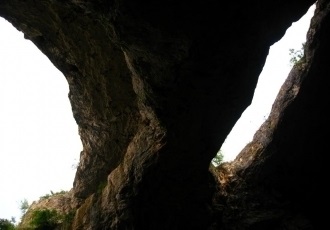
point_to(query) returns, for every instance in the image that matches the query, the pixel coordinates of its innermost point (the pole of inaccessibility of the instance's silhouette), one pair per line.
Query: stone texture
(61, 202)
(156, 87)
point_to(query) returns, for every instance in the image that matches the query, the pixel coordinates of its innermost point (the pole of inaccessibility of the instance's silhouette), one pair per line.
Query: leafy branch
(296, 55)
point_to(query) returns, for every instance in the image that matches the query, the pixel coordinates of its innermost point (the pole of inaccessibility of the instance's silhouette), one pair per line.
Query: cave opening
(39, 143)
(273, 75)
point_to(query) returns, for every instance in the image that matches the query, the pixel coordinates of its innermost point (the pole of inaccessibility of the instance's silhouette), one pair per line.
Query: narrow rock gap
(39, 141)
(273, 75)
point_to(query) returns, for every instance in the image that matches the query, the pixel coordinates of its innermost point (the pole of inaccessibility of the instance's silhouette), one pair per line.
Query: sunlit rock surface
(61, 204)
(156, 87)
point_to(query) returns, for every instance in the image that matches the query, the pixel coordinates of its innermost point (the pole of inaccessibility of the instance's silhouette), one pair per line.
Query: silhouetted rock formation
(155, 88)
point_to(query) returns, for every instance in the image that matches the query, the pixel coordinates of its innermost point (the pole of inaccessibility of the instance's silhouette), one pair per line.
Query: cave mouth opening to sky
(39, 140)
(273, 75)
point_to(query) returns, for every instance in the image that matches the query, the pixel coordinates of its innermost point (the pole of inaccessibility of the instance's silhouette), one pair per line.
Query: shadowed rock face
(155, 88)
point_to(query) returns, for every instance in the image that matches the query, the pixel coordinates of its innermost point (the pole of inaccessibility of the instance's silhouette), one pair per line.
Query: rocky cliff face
(60, 206)
(156, 86)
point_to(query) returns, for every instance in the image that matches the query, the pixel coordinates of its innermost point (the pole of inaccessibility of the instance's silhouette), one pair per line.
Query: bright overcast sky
(39, 139)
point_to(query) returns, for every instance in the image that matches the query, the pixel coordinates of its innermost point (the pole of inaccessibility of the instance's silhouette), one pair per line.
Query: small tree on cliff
(297, 55)
(218, 158)
(24, 206)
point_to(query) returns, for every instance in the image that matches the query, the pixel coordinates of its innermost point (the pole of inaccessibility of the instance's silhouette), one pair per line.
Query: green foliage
(6, 224)
(45, 219)
(217, 160)
(296, 55)
(52, 194)
(46, 196)
(49, 219)
(24, 206)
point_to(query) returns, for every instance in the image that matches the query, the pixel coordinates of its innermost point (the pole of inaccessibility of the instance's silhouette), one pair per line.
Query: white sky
(39, 139)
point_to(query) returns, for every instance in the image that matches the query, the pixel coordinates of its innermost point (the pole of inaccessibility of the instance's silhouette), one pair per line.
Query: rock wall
(278, 179)
(156, 87)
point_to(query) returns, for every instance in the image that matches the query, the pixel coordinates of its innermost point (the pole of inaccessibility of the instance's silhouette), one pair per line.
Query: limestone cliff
(155, 88)
(60, 209)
